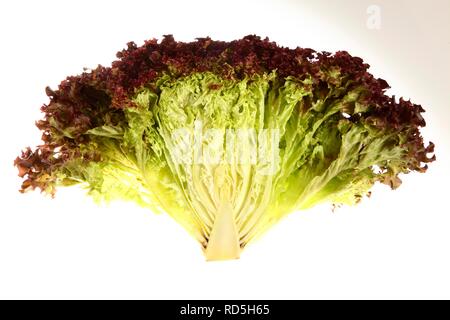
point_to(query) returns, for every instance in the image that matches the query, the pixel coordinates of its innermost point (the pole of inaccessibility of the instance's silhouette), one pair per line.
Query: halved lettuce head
(226, 138)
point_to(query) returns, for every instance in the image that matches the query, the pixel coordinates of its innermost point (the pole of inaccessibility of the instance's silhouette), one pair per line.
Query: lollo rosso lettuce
(225, 137)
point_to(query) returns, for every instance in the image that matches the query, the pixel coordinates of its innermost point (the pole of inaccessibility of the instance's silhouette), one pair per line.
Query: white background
(395, 245)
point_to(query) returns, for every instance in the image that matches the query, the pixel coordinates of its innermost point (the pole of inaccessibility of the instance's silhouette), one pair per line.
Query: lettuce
(226, 138)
